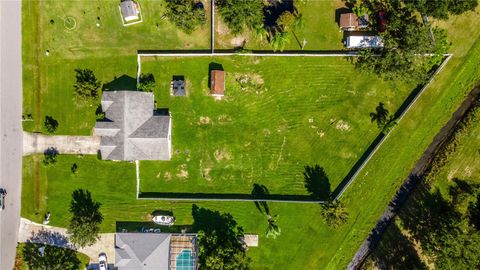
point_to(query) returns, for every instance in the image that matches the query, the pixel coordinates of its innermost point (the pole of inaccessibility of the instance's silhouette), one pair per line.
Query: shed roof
(350, 21)
(129, 9)
(217, 83)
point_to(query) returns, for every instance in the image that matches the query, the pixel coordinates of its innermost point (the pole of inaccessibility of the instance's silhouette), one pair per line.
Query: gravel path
(35, 143)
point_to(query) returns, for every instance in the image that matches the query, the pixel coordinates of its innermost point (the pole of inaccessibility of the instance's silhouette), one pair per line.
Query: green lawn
(321, 31)
(267, 130)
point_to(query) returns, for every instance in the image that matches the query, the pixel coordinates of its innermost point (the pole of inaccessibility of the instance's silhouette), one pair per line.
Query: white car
(102, 261)
(3, 193)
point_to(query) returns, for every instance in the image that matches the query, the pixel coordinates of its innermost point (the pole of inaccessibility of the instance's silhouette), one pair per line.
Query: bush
(50, 157)
(86, 86)
(241, 14)
(50, 124)
(186, 14)
(146, 82)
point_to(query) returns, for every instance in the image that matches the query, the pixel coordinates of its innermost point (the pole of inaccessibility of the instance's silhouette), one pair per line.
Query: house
(363, 41)
(131, 130)
(217, 83)
(129, 10)
(155, 251)
(351, 22)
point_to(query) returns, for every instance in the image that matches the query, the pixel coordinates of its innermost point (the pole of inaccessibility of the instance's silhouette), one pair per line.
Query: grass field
(321, 31)
(265, 130)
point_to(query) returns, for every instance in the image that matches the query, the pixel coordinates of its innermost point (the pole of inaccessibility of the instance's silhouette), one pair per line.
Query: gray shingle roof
(128, 9)
(143, 251)
(131, 131)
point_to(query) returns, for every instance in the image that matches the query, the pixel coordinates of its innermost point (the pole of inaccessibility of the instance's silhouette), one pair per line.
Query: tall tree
(86, 218)
(86, 86)
(41, 257)
(187, 15)
(241, 14)
(218, 240)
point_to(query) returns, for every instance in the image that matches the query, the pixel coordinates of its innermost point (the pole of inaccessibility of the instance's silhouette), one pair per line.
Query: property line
(354, 175)
(375, 149)
(137, 174)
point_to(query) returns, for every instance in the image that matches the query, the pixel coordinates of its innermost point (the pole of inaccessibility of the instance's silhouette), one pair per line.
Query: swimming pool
(185, 260)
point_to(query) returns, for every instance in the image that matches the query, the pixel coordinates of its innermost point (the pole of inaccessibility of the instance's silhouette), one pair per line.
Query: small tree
(279, 41)
(273, 230)
(50, 124)
(74, 168)
(86, 86)
(146, 82)
(50, 157)
(86, 218)
(239, 15)
(334, 213)
(186, 14)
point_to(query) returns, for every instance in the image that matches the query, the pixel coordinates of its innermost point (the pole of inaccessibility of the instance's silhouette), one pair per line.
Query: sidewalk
(56, 236)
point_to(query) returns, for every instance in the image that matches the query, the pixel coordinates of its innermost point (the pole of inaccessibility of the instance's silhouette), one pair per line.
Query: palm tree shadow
(317, 182)
(258, 192)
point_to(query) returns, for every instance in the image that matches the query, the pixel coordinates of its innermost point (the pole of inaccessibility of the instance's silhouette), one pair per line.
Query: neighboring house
(351, 22)
(130, 12)
(217, 83)
(155, 251)
(131, 130)
(363, 41)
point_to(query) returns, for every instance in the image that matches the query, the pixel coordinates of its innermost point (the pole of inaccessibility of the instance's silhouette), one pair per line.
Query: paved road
(10, 127)
(39, 143)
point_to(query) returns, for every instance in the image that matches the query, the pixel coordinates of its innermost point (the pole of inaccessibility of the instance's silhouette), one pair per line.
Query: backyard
(291, 113)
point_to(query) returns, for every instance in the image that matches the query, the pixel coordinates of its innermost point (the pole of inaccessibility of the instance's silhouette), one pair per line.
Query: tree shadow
(317, 182)
(210, 221)
(51, 151)
(123, 82)
(82, 205)
(50, 124)
(274, 10)
(51, 238)
(396, 251)
(259, 192)
(380, 115)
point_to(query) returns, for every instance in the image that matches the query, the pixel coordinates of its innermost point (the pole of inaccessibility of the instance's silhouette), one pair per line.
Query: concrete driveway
(10, 126)
(38, 233)
(36, 143)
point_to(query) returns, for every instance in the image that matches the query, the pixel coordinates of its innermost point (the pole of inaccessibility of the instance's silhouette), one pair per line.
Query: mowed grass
(321, 31)
(292, 113)
(109, 50)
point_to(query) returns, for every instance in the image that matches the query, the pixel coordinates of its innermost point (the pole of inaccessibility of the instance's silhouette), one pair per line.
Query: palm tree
(260, 32)
(273, 230)
(279, 41)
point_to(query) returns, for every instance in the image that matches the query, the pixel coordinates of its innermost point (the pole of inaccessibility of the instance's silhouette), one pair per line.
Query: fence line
(357, 171)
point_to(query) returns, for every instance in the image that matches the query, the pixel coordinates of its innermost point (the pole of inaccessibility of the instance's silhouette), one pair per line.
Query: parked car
(102, 261)
(3, 194)
(382, 21)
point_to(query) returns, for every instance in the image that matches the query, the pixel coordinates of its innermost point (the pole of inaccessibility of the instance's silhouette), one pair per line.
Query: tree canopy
(86, 86)
(441, 9)
(41, 257)
(406, 43)
(218, 239)
(241, 14)
(86, 218)
(186, 14)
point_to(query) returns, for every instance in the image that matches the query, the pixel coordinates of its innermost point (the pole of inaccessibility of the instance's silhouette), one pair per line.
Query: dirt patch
(204, 120)
(320, 133)
(222, 119)
(222, 154)
(250, 82)
(342, 125)
(182, 172)
(167, 176)
(206, 174)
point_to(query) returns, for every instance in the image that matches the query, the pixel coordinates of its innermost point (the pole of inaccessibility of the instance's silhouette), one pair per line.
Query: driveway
(35, 143)
(37, 233)
(10, 126)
